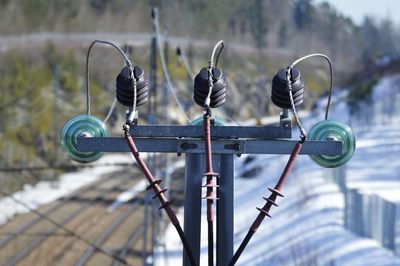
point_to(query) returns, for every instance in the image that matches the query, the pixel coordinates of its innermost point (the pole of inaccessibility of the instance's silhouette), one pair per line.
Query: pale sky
(357, 9)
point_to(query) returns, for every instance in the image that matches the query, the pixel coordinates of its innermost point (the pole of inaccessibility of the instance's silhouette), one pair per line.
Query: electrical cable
(60, 226)
(110, 111)
(127, 62)
(219, 44)
(330, 71)
(159, 193)
(209, 174)
(164, 65)
(182, 56)
(60, 167)
(276, 191)
(264, 211)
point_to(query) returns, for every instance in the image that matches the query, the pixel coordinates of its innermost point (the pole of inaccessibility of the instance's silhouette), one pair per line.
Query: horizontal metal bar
(282, 130)
(241, 146)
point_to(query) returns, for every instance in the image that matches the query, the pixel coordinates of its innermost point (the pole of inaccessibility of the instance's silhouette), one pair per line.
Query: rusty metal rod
(264, 211)
(154, 184)
(209, 185)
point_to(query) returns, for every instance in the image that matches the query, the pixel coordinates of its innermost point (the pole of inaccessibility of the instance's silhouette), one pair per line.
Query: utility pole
(151, 119)
(56, 144)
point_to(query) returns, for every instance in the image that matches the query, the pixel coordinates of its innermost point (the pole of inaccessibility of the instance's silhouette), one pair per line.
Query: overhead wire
(60, 167)
(62, 227)
(182, 56)
(110, 111)
(328, 60)
(164, 65)
(127, 62)
(154, 184)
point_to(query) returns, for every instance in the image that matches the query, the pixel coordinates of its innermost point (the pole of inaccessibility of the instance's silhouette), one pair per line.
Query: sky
(357, 9)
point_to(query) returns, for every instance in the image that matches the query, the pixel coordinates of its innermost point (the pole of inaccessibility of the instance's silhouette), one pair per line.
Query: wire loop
(331, 74)
(127, 62)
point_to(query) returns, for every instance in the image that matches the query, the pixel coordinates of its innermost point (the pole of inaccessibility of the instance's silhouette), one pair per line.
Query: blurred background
(344, 216)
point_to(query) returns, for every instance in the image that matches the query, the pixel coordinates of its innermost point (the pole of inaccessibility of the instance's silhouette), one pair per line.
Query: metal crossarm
(192, 145)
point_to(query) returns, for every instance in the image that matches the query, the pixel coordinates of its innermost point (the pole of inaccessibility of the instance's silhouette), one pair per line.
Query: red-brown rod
(209, 184)
(264, 211)
(154, 184)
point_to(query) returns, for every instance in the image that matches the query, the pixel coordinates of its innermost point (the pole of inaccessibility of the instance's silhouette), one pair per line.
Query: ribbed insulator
(280, 92)
(201, 87)
(125, 88)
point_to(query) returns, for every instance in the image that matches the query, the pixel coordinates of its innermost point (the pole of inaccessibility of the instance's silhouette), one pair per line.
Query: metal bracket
(192, 145)
(282, 130)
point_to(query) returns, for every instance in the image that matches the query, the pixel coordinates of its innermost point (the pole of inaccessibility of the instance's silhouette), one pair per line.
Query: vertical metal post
(152, 107)
(225, 210)
(192, 215)
(147, 202)
(56, 88)
(152, 119)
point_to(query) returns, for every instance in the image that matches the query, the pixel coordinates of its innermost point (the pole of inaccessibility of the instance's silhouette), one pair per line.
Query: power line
(60, 226)
(164, 65)
(60, 167)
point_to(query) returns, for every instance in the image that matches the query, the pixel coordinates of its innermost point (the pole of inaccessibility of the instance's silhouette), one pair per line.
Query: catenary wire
(164, 66)
(60, 226)
(127, 61)
(183, 58)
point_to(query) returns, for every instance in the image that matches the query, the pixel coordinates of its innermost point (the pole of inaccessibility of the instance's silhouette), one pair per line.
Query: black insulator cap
(280, 91)
(201, 87)
(125, 88)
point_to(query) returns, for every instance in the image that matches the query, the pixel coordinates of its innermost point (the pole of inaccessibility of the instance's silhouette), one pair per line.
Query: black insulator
(201, 87)
(125, 87)
(280, 91)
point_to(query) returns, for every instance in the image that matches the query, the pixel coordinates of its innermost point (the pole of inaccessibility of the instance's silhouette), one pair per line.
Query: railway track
(84, 212)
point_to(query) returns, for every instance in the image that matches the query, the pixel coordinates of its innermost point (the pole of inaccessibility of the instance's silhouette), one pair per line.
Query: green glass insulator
(333, 130)
(199, 121)
(82, 126)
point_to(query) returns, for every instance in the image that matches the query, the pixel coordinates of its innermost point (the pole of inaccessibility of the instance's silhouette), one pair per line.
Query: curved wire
(218, 44)
(164, 65)
(110, 110)
(331, 73)
(182, 56)
(127, 62)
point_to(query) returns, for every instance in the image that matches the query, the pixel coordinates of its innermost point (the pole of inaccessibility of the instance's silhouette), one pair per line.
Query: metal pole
(225, 210)
(151, 119)
(192, 215)
(146, 222)
(152, 107)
